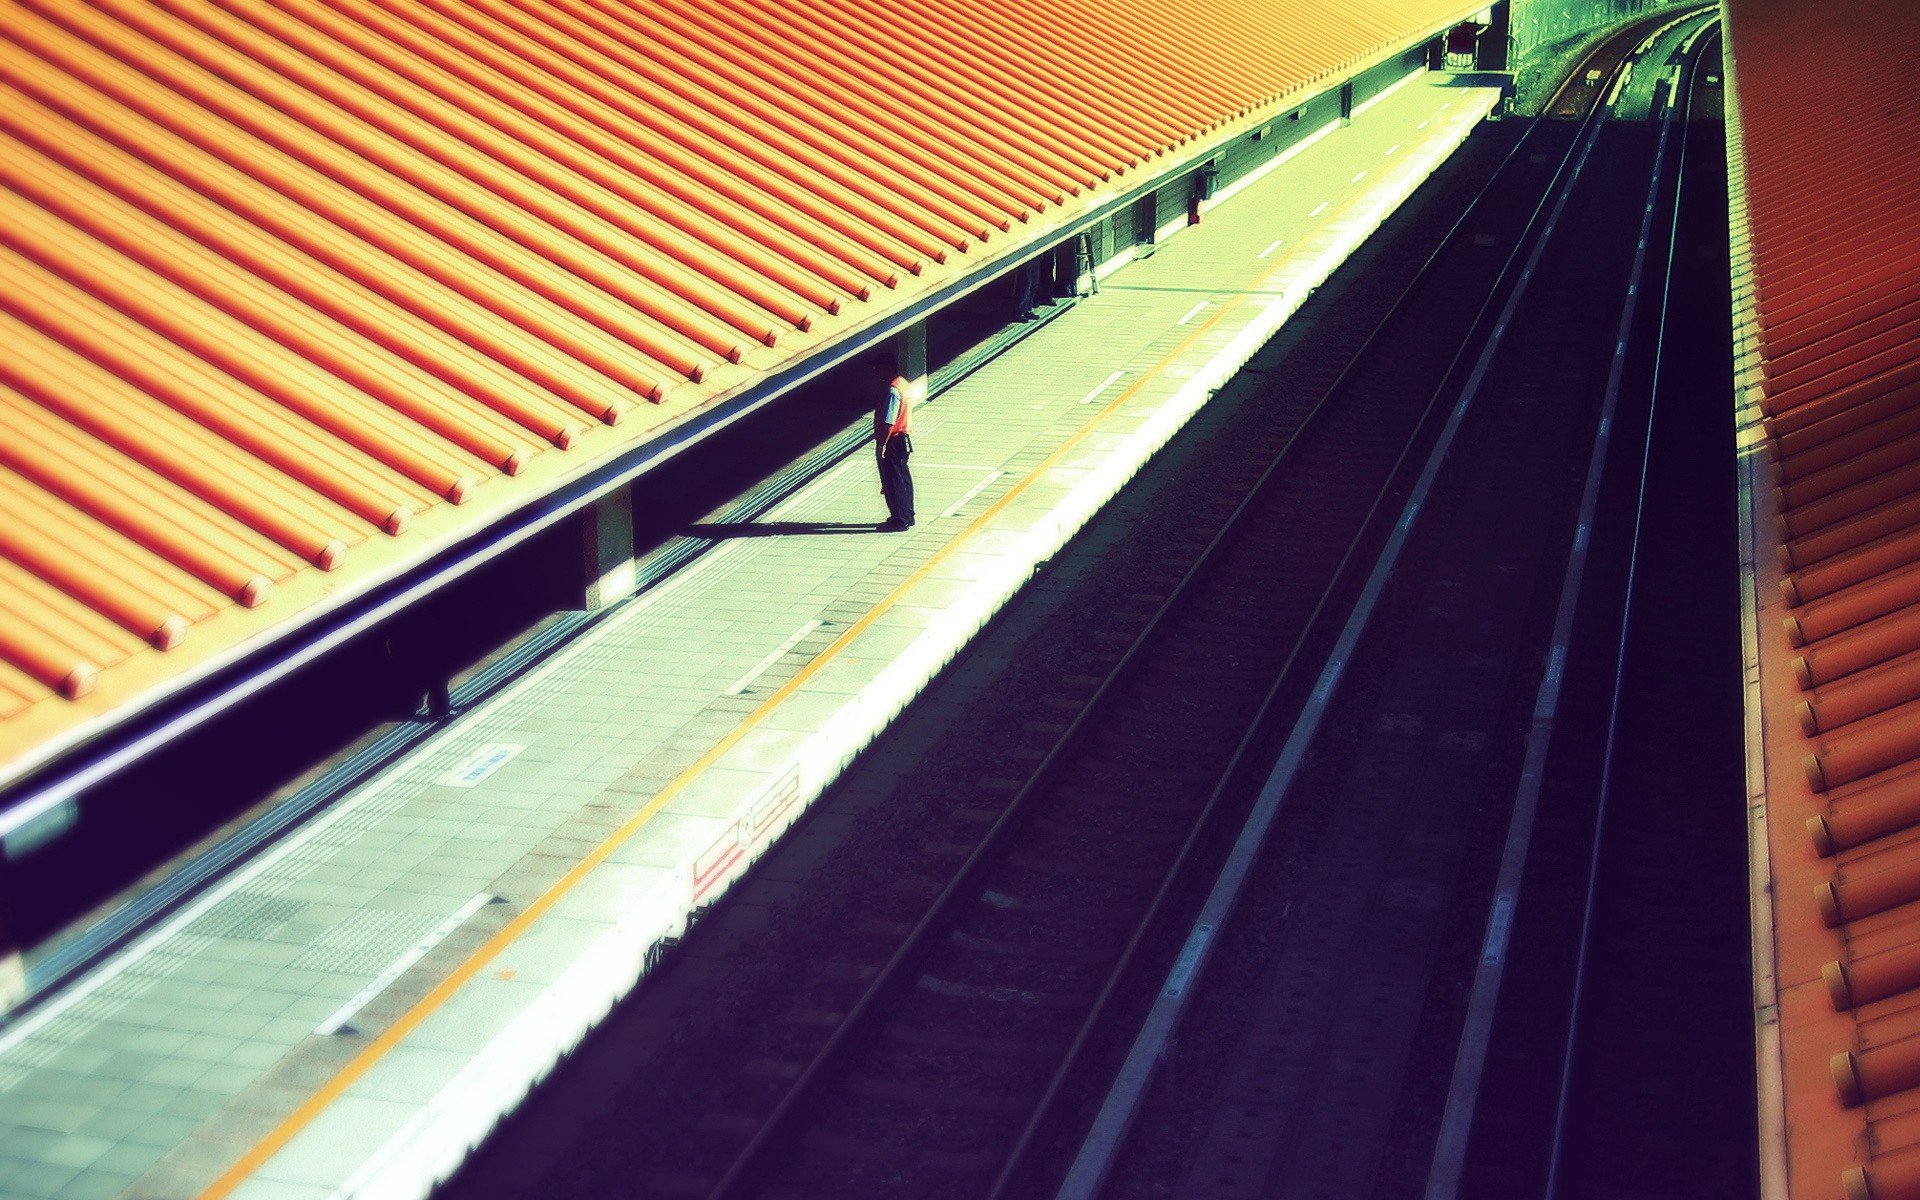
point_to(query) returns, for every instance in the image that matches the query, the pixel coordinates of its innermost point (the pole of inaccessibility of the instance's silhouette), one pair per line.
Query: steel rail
(910, 946)
(1456, 1126)
(1570, 1051)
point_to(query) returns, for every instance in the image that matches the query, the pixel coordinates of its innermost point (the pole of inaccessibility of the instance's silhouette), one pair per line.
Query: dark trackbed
(1658, 1083)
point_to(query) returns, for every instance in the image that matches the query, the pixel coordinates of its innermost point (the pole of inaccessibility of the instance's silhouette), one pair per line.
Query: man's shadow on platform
(746, 529)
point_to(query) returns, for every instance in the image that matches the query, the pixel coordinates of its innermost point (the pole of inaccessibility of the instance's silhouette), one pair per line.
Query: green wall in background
(1538, 23)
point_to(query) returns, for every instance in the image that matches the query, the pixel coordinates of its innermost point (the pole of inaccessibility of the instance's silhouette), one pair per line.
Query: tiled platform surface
(349, 1013)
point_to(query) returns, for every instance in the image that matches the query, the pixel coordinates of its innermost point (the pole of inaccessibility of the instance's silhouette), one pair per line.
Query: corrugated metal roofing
(1830, 163)
(294, 290)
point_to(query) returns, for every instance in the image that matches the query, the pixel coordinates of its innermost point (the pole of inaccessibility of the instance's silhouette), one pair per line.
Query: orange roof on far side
(1827, 228)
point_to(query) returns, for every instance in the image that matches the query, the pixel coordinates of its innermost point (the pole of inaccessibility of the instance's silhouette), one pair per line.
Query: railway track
(928, 1041)
(1644, 1008)
(1328, 1061)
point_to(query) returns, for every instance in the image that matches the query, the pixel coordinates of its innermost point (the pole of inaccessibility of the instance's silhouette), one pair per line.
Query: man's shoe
(892, 525)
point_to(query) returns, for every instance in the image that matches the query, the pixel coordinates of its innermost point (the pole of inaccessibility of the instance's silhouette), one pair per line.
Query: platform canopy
(1826, 236)
(297, 294)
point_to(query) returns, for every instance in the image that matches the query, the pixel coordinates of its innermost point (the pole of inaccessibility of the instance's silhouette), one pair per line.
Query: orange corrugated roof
(1827, 113)
(294, 291)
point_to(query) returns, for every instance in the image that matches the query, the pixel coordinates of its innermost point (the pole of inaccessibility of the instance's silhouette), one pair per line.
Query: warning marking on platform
(485, 761)
(715, 864)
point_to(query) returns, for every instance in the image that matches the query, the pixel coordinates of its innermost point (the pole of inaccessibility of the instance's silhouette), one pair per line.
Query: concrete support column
(606, 549)
(1066, 269)
(910, 358)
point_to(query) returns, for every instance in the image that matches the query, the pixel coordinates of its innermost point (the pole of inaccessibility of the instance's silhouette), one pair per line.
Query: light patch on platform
(341, 1020)
(1106, 383)
(953, 510)
(485, 761)
(746, 681)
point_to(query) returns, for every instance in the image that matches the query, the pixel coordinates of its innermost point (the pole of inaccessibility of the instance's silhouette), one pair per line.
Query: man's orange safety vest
(895, 416)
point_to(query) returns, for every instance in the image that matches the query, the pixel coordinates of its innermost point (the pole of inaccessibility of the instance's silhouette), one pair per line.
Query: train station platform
(348, 1013)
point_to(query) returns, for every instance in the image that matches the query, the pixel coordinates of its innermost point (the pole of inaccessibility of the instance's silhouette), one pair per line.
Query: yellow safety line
(327, 1093)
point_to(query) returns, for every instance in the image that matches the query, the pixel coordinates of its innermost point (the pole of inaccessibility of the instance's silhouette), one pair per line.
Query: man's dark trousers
(896, 481)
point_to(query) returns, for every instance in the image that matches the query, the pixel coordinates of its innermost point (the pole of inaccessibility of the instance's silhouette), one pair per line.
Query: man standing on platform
(893, 446)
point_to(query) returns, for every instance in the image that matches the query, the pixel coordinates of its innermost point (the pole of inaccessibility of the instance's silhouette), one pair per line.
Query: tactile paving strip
(249, 916)
(365, 942)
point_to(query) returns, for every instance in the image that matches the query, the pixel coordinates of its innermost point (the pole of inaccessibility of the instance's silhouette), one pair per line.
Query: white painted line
(1271, 247)
(1422, 125)
(975, 490)
(746, 681)
(1106, 383)
(485, 761)
(1317, 211)
(338, 1022)
(1358, 178)
(1392, 150)
(1620, 84)
(1199, 308)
